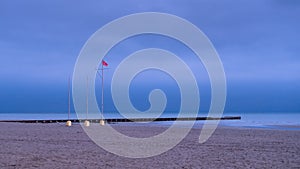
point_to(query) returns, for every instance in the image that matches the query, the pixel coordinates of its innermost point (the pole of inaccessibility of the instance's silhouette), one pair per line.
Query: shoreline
(227, 121)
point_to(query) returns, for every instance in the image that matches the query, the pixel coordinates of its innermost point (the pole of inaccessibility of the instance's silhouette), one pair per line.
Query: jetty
(120, 120)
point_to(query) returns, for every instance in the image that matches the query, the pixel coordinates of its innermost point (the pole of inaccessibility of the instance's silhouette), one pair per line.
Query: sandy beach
(57, 146)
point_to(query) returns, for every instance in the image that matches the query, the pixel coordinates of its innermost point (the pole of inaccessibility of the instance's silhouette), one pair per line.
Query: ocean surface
(276, 120)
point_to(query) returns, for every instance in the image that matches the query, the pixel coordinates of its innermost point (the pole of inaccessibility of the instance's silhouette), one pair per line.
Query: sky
(257, 42)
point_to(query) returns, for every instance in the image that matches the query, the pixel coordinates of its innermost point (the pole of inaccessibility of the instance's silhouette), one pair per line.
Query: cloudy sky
(257, 41)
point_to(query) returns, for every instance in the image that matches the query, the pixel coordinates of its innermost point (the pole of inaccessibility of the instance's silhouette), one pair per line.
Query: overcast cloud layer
(257, 41)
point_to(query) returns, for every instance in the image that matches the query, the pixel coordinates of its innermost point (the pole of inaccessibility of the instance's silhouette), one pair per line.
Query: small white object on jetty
(69, 123)
(87, 123)
(102, 122)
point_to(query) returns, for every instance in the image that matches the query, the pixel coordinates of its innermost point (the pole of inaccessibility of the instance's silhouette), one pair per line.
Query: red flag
(104, 63)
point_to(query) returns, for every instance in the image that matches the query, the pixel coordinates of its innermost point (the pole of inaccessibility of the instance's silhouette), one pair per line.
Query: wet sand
(57, 146)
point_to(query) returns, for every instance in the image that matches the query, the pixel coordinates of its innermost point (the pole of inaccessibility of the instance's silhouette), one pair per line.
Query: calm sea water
(276, 120)
(281, 120)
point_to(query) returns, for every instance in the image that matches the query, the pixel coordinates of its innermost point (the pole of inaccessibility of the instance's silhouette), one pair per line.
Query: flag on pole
(104, 63)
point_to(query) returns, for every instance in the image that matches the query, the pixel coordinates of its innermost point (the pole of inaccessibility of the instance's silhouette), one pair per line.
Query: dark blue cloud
(256, 40)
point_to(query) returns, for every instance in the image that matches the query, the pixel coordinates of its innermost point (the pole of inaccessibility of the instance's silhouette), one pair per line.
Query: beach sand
(57, 146)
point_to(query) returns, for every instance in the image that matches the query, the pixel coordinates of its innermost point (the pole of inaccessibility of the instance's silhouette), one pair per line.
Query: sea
(267, 120)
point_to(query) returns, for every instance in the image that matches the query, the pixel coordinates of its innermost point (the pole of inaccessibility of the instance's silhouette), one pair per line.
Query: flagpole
(86, 122)
(103, 63)
(69, 123)
(69, 104)
(102, 93)
(87, 97)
